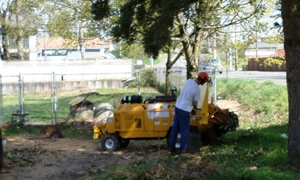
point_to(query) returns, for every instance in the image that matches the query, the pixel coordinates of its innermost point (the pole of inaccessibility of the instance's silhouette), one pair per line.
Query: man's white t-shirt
(189, 94)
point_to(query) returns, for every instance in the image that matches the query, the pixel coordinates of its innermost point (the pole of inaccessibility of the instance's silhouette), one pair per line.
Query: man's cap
(203, 75)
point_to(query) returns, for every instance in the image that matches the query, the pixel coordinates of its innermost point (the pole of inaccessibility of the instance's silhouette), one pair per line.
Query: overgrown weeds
(266, 101)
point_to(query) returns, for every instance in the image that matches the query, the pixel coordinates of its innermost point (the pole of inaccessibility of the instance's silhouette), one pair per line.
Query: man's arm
(195, 104)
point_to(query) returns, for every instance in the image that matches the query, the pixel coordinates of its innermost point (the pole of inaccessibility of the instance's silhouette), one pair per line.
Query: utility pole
(236, 50)
(215, 47)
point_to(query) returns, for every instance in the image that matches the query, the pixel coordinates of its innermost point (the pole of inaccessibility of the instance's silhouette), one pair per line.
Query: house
(263, 50)
(258, 55)
(57, 48)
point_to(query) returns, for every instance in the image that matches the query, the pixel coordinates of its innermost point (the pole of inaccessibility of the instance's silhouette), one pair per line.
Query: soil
(29, 157)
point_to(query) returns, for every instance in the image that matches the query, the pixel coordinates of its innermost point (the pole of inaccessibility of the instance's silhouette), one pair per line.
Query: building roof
(264, 50)
(59, 42)
(261, 45)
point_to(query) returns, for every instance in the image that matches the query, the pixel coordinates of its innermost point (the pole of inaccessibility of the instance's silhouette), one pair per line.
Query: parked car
(211, 65)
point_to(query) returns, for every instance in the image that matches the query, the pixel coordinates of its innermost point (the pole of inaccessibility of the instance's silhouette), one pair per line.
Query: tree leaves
(100, 9)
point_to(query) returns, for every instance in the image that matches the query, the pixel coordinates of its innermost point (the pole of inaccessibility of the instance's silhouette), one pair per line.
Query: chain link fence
(50, 102)
(179, 76)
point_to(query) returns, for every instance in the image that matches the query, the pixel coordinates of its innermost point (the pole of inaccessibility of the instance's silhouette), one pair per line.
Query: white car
(211, 65)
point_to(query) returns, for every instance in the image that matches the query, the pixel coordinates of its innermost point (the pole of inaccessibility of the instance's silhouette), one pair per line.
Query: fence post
(54, 100)
(138, 81)
(132, 67)
(97, 64)
(215, 85)
(21, 97)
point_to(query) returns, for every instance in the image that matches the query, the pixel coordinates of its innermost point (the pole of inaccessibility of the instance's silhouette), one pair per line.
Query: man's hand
(193, 112)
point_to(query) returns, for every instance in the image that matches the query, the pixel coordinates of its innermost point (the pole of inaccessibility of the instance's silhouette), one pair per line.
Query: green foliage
(70, 130)
(140, 18)
(143, 78)
(274, 39)
(256, 153)
(205, 50)
(20, 128)
(100, 9)
(71, 20)
(133, 51)
(267, 100)
(256, 92)
(271, 61)
(161, 88)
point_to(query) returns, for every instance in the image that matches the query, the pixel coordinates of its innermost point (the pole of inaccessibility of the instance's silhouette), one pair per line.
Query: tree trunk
(188, 48)
(19, 33)
(5, 46)
(5, 53)
(168, 71)
(169, 66)
(291, 24)
(20, 48)
(236, 59)
(192, 66)
(80, 40)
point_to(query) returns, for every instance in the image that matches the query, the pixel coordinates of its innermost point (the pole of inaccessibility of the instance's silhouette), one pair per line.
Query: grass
(267, 101)
(19, 128)
(256, 150)
(40, 104)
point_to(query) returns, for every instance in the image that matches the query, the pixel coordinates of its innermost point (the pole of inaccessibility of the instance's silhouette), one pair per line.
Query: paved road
(260, 76)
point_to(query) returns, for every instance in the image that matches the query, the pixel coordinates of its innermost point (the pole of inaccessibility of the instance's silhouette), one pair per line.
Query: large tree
(291, 25)
(18, 22)
(4, 19)
(164, 24)
(72, 20)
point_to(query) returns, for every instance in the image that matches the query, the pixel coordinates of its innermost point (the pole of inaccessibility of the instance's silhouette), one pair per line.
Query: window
(55, 52)
(92, 50)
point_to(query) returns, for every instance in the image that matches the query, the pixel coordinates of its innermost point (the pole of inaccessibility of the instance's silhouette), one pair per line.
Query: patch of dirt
(29, 157)
(232, 105)
(236, 107)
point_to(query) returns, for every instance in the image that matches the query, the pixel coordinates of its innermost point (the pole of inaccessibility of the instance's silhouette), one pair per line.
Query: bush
(143, 78)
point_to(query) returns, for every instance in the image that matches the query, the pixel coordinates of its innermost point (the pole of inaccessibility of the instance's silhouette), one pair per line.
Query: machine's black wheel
(110, 142)
(194, 139)
(209, 136)
(235, 121)
(168, 137)
(218, 130)
(231, 125)
(124, 143)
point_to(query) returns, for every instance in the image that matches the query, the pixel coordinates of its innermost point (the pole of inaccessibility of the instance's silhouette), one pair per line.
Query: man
(188, 99)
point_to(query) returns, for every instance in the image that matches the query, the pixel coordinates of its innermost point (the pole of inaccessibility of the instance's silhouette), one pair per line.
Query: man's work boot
(172, 150)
